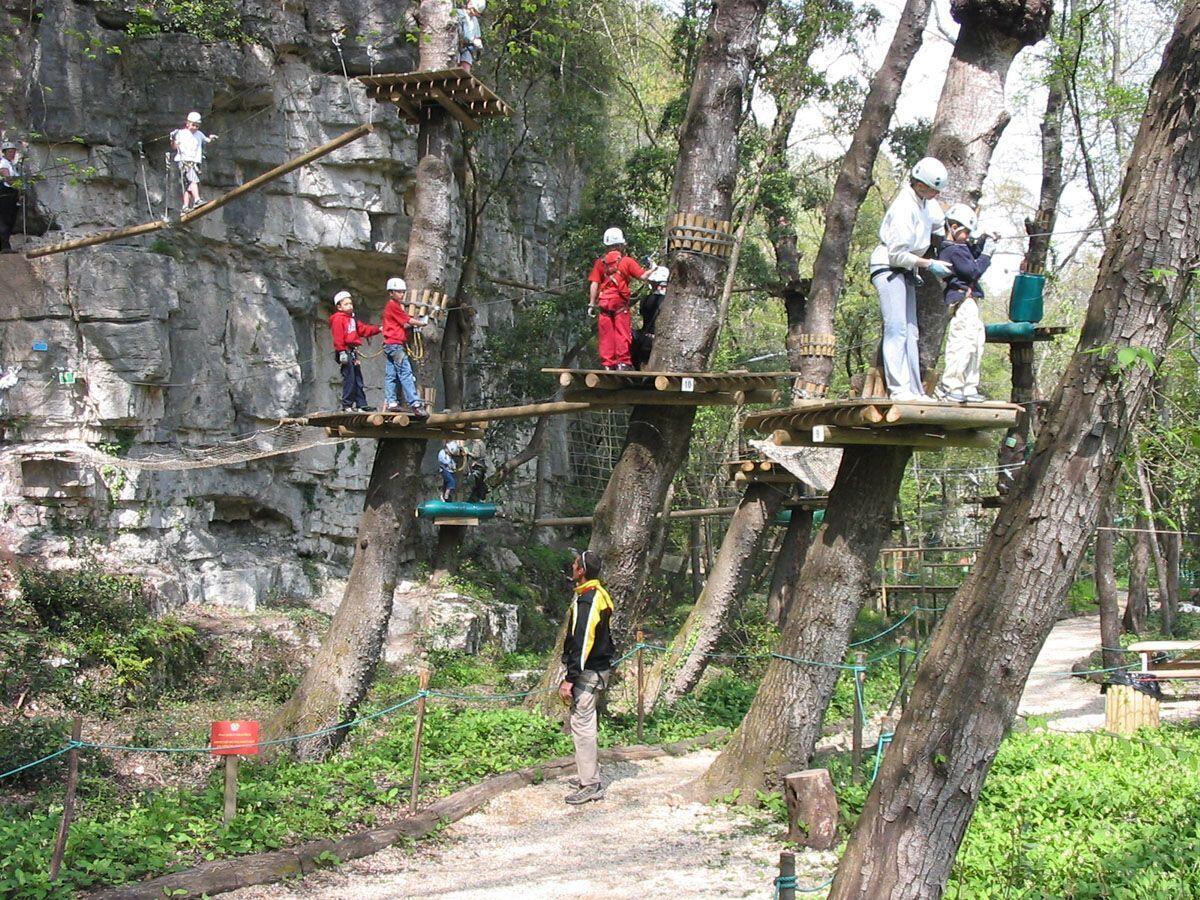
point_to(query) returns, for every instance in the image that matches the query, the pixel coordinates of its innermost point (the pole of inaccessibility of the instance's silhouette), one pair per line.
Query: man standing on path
(188, 143)
(588, 658)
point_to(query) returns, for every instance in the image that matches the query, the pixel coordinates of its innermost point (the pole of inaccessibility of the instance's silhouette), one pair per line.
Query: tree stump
(812, 809)
(1126, 710)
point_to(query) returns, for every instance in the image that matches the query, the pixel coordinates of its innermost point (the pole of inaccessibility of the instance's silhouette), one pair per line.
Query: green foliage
(1081, 596)
(209, 20)
(24, 742)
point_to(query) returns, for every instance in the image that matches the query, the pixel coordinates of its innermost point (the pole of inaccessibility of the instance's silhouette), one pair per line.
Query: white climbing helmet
(477, 6)
(930, 171)
(8, 145)
(340, 296)
(963, 215)
(659, 275)
(396, 284)
(453, 447)
(614, 236)
(194, 117)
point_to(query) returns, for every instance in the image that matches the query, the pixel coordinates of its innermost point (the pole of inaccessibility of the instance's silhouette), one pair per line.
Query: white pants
(964, 350)
(901, 354)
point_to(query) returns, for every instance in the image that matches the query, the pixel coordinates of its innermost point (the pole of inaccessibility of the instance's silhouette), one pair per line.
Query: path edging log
(223, 875)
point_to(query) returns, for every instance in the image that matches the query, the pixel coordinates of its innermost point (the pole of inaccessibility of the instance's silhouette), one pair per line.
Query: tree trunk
(1106, 588)
(342, 670)
(970, 682)
(1171, 552)
(853, 181)
(1156, 555)
(675, 673)
(835, 581)
(788, 563)
(694, 560)
(1137, 602)
(657, 438)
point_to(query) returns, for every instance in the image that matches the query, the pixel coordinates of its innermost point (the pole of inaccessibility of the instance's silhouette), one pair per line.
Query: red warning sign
(234, 738)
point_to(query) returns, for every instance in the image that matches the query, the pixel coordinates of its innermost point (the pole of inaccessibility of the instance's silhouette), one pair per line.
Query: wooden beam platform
(417, 94)
(672, 388)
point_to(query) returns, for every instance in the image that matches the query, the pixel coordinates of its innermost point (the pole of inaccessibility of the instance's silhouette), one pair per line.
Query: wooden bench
(1183, 664)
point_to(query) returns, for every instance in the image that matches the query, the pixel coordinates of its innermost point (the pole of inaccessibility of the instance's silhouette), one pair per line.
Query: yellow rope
(416, 348)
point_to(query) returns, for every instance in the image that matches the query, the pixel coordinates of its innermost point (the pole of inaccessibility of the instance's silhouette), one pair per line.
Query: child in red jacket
(348, 335)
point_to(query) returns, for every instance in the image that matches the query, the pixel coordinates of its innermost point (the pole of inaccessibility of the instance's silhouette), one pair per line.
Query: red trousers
(615, 331)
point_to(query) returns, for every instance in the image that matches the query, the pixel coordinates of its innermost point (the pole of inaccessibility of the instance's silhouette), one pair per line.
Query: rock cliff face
(212, 331)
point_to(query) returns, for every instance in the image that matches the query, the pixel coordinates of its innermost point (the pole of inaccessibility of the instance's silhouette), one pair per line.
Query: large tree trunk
(657, 438)
(676, 672)
(788, 563)
(1106, 588)
(835, 581)
(1137, 601)
(970, 682)
(342, 670)
(1166, 613)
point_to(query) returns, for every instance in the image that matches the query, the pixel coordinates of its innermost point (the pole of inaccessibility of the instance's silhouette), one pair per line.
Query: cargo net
(269, 442)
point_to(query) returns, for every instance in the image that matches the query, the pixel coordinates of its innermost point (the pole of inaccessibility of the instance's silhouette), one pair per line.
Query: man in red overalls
(608, 295)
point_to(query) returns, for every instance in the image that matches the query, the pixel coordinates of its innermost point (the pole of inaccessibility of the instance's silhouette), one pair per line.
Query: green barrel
(432, 509)
(1009, 332)
(1025, 304)
(784, 517)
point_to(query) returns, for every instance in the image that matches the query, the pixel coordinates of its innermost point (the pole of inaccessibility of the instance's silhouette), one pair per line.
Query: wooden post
(857, 734)
(231, 786)
(64, 825)
(902, 659)
(641, 697)
(787, 876)
(417, 736)
(1127, 709)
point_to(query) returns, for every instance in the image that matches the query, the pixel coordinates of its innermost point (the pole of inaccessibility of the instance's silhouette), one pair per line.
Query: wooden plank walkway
(735, 388)
(417, 94)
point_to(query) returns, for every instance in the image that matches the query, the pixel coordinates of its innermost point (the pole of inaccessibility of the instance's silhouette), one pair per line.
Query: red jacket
(395, 323)
(348, 332)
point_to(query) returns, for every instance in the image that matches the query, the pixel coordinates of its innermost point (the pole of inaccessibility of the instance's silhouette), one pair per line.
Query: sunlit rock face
(197, 335)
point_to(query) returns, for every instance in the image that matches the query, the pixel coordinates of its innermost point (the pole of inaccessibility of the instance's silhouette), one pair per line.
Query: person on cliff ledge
(10, 194)
(470, 35)
(348, 335)
(398, 370)
(588, 658)
(608, 301)
(188, 143)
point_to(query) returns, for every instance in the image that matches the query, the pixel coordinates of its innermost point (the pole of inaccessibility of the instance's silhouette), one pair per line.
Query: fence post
(857, 733)
(231, 786)
(641, 698)
(64, 825)
(785, 885)
(417, 736)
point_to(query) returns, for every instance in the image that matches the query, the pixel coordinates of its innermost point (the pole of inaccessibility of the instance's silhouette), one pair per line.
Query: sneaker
(198, 203)
(586, 795)
(366, 409)
(573, 782)
(975, 397)
(393, 407)
(624, 367)
(953, 397)
(419, 411)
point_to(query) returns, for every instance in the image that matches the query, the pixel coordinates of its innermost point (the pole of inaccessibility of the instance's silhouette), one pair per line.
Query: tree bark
(1137, 602)
(1106, 588)
(788, 563)
(783, 724)
(675, 673)
(343, 668)
(1156, 554)
(1040, 227)
(970, 682)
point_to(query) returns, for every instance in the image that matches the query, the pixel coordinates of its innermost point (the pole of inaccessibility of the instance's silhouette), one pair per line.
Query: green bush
(24, 741)
(71, 600)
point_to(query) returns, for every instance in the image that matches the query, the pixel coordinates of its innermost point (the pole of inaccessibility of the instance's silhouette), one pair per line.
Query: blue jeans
(353, 391)
(398, 370)
(449, 482)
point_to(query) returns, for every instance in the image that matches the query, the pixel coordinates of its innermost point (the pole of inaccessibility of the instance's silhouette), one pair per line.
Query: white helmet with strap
(659, 275)
(613, 237)
(931, 172)
(963, 215)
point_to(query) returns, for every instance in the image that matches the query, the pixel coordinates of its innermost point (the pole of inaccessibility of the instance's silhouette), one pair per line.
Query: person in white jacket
(904, 237)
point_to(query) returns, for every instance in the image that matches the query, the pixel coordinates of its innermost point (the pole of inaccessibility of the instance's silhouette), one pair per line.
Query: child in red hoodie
(348, 335)
(398, 371)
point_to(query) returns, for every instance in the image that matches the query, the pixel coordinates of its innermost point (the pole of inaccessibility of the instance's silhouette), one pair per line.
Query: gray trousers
(901, 354)
(583, 724)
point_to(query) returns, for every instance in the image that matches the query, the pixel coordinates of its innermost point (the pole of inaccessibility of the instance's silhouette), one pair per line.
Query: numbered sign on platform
(238, 738)
(818, 434)
(687, 385)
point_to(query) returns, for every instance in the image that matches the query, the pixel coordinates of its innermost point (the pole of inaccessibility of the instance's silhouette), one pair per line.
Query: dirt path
(642, 841)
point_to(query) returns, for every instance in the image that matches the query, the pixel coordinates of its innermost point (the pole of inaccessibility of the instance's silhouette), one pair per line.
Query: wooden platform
(925, 426)
(635, 388)
(417, 94)
(758, 471)
(383, 425)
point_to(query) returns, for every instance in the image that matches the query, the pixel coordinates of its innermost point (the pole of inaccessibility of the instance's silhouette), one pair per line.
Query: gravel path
(642, 841)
